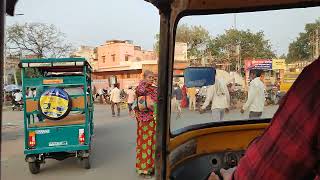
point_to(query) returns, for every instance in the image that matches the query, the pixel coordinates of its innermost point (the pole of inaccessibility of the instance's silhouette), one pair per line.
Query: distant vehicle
(287, 81)
(58, 121)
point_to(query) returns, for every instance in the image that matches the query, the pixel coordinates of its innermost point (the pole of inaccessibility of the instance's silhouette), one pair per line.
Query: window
(113, 57)
(244, 54)
(103, 59)
(126, 58)
(128, 75)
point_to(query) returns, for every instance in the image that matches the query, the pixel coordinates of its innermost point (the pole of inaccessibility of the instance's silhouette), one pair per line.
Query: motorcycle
(17, 105)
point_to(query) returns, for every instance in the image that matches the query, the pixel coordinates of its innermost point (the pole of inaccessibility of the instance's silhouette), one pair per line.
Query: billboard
(263, 64)
(278, 64)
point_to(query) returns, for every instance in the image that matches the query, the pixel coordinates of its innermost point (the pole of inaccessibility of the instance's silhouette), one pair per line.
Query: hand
(227, 174)
(242, 111)
(201, 111)
(213, 176)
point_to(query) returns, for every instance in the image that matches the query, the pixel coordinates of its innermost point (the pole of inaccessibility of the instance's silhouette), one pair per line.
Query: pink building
(121, 62)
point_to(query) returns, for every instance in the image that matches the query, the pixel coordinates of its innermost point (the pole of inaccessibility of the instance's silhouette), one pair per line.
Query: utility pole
(235, 21)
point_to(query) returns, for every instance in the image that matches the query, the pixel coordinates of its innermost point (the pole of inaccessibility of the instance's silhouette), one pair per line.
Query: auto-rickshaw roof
(223, 6)
(56, 64)
(50, 60)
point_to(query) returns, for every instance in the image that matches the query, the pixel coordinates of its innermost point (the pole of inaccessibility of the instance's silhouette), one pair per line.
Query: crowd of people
(217, 98)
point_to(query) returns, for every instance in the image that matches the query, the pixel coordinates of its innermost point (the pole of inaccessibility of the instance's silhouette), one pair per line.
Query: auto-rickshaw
(194, 151)
(58, 117)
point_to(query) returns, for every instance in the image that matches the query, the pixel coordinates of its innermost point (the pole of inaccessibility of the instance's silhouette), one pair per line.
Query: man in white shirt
(219, 95)
(130, 100)
(17, 96)
(256, 97)
(115, 99)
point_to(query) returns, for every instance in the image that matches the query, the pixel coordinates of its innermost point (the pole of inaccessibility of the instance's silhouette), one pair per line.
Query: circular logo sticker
(55, 103)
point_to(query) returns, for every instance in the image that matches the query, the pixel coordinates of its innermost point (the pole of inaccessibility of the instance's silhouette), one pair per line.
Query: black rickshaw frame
(169, 18)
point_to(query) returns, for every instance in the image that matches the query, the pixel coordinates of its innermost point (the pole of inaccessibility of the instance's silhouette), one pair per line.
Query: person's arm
(289, 148)
(227, 95)
(111, 95)
(251, 95)
(209, 96)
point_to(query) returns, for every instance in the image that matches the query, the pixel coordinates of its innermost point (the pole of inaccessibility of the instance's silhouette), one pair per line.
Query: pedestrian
(115, 99)
(177, 97)
(17, 96)
(218, 94)
(29, 93)
(145, 111)
(100, 94)
(130, 99)
(191, 92)
(184, 101)
(256, 96)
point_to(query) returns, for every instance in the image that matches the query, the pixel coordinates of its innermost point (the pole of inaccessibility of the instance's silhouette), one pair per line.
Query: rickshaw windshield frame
(175, 18)
(170, 14)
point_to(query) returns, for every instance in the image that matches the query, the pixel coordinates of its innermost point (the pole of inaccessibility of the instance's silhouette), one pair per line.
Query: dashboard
(200, 167)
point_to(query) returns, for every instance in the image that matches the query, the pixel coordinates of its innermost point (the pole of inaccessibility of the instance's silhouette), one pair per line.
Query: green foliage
(251, 45)
(196, 37)
(38, 39)
(301, 48)
(226, 47)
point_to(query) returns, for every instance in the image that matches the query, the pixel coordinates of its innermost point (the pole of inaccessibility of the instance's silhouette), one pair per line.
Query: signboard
(199, 76)
(263, 64)
(52, 81)
(100, 81)
(278, 64)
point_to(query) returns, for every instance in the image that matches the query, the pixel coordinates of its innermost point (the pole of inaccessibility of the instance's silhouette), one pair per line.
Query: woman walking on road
(145, 110)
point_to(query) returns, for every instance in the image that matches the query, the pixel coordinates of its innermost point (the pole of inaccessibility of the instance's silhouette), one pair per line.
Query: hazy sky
(93, 22)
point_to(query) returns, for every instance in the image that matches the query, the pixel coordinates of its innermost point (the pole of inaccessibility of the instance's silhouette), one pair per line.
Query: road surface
(113, 156)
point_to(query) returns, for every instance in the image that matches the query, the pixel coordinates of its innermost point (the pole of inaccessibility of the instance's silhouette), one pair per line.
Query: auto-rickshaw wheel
(34, 167)
(86, 163)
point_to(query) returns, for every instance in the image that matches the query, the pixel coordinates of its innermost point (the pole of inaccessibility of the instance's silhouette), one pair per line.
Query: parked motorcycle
(17, 105)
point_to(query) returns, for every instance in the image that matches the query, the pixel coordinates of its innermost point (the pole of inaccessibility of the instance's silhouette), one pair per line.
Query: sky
(93, 22)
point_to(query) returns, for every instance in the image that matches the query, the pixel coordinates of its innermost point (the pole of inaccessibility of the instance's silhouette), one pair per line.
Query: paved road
(188, 118)
(113, 156)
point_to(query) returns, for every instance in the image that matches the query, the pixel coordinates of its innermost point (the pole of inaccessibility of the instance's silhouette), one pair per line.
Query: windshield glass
(251, 53)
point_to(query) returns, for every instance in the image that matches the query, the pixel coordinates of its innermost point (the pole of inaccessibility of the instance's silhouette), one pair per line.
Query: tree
(196, 37)
(301, 48)
(37, 39)
(239, 43)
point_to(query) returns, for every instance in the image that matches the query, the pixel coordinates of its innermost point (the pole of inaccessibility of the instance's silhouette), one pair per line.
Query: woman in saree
(145, 112)
(184, 102)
